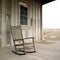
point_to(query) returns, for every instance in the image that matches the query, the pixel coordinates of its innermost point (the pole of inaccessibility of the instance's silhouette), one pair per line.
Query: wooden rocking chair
(19, 41)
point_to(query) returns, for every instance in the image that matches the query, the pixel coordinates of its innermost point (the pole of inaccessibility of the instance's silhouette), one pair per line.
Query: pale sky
(51, 15)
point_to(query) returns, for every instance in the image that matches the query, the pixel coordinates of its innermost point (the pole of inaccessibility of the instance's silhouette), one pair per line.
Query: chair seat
(22, 44)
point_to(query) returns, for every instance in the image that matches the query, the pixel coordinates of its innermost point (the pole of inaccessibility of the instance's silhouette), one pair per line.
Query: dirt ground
(51, 34)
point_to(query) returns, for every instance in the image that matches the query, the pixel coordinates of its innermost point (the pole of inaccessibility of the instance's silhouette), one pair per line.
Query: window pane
(23, 12)
(23, 8)
(23, 22)
(23, 18)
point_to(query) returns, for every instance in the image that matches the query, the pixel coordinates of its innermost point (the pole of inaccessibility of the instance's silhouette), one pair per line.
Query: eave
(46, 1)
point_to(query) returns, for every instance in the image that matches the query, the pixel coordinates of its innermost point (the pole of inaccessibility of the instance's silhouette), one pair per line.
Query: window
(23, 15)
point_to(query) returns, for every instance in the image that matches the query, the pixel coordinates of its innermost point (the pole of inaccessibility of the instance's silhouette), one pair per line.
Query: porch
(44, 52)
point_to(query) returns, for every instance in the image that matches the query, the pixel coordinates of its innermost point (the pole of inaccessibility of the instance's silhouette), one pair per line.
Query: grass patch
(44, 42)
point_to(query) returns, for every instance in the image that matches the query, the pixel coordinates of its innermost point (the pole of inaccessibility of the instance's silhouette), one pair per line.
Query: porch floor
(44, 52)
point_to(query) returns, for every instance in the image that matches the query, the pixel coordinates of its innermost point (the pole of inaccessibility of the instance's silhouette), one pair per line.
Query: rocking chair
(19, 42)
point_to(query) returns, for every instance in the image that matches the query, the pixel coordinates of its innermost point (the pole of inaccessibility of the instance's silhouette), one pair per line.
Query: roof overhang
(46, 1)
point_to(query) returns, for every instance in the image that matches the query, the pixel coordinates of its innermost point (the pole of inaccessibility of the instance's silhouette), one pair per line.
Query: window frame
(25, 5)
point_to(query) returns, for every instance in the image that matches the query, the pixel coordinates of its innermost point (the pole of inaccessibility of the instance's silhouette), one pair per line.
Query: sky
(51, 15)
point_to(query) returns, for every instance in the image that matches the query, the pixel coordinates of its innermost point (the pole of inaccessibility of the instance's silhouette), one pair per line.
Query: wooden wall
(11, 17)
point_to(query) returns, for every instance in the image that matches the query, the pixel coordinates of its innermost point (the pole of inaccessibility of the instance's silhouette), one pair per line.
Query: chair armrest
(17, 39)
(29, 38)
(23, 38)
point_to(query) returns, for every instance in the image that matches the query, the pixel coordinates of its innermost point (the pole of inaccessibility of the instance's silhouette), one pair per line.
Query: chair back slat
(16, 32)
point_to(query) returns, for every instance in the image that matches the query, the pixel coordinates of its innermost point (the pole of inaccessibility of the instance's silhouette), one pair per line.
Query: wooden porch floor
(44, 52)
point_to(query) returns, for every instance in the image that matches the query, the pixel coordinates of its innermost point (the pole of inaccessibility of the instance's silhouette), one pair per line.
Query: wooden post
(4, 40)
(41, 21)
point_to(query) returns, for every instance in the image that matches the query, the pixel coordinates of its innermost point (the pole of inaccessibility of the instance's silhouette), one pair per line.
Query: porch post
(4, 39)
(41, 22)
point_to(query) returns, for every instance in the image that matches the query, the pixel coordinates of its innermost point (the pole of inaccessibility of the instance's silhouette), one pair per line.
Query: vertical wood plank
(3, 44)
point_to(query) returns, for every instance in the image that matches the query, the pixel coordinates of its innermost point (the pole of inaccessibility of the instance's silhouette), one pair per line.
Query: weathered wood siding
(11, 17)
(8, 20)
(6, 13)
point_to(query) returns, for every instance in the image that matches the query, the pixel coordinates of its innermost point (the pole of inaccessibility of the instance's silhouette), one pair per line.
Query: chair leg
(16, 51)
(33, 45)
(15, 46)
(24, 47)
